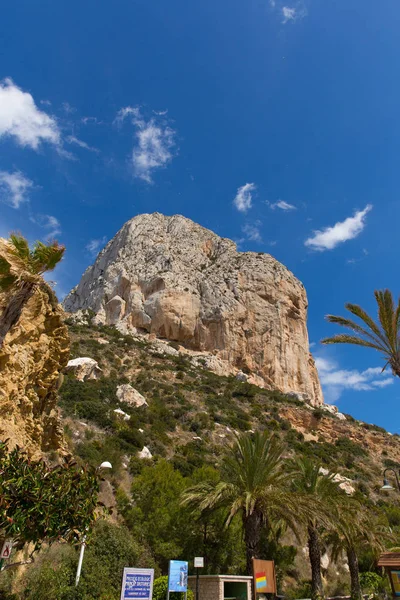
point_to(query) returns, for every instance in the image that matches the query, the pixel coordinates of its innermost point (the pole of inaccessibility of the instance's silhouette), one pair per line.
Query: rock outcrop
(171, 277)
(126, 393)
(31, 359)
(84, 368)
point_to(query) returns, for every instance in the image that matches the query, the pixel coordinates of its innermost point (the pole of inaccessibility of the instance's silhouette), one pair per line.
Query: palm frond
(343, 338)
(386, 313)
(20, 246)
(364, 316)
(45, 258)
(358, 329)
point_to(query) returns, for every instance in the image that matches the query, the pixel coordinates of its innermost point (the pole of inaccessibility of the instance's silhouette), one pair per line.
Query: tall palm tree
(323, 493)
(255, 484)
(21, 273)
(355, 528)
(383, 335)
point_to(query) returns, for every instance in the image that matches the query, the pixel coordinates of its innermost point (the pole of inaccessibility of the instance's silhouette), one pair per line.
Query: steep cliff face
(170, 277)
(31, 359)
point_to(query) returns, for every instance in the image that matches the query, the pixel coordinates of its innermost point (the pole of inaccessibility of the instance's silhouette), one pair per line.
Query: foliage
(110, 549)
(382, 335)
(38, 502)
(371, 582)
(160, 589)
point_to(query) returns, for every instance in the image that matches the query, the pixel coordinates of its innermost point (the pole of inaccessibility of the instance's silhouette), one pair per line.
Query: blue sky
(264, 120)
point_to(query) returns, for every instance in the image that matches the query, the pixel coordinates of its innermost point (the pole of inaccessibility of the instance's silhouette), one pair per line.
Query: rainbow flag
(261, 581)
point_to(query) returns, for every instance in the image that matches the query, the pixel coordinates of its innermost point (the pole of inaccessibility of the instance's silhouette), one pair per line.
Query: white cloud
(20, 118)
(71, 139)
(243, 198)
(335, 380)
(68, 108)
(52, 224)
(14, 188)
(252, 231)
(283, 205)
(95, 245)
(289, 14)
(154, 143)
(330, 237)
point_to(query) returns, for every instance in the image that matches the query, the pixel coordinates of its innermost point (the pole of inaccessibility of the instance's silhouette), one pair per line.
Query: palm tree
(323, 493)
(255, 484)
(355, 527)
(383, 335)
(21, 273)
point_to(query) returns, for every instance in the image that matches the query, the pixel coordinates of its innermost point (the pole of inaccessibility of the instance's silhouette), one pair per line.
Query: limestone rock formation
(84, 368)
(33, 355)
(170, 277)
(126, 393)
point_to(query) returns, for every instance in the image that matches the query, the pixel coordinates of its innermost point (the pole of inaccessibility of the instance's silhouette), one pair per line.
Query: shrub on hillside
(160, 589)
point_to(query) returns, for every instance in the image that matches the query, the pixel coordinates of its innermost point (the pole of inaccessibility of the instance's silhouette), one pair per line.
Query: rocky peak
(172, 278)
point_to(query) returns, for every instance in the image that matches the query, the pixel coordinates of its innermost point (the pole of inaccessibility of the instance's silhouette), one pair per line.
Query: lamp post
(104, 465)
(386, 484)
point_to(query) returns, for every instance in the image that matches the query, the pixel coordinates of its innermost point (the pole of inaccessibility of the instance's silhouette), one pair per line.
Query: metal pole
(79, 569)
(197, 583)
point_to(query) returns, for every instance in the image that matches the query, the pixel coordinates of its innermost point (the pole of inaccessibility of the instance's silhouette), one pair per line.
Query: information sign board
(137, 584)
(178, 576)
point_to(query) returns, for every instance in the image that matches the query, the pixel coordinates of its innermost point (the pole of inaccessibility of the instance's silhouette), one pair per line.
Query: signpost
(264, 577)
(137, 584)
(391, 562)
(198, 564)
(178, 577)
(6, 549)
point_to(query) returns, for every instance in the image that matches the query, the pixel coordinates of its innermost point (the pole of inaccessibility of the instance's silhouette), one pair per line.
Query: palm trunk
(352, 560)
(314, 552)
(252, 530)
(13, 310)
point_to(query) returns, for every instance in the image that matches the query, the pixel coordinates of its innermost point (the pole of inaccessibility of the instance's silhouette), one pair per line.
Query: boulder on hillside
(84, 368)
(126, 393)
(123, 415)
(331, 408)
(145, 453)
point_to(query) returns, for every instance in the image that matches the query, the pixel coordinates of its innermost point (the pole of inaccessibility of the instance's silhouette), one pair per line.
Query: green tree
(355, 528)
(382, 335)
(40, 503)
(254, 484)
(323, 493)
(21, 273)
(156, 516)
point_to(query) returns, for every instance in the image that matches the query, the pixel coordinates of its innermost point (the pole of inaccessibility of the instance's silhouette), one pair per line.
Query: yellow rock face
(31, 359)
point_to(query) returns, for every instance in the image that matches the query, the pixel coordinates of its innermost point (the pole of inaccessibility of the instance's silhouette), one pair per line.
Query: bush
(160, 589)
(371, 582)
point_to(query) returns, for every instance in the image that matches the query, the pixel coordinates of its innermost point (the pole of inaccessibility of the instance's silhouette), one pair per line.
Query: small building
(222, 587)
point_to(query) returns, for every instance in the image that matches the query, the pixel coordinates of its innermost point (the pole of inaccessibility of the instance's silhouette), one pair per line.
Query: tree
(254, 484)
(40, 503)
(21, 273)
(383, 335)
(323, 493)
(354, 528)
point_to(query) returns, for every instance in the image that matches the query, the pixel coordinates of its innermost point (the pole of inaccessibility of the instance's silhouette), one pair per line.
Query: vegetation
(40, 504)
(383, 335)
(21, 272)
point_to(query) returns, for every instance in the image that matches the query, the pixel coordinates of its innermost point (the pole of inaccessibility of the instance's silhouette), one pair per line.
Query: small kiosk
(222, 587)
(391, 562)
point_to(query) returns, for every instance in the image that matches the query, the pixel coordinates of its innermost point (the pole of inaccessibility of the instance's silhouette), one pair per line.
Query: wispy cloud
(243, 198)
(94, 246)
(71, 139)
(252, 231)
(155, 142)
(291, 14)
(282, 205)
(330, 237)
(67, 108)
(20, 118)
(14, 188)
(335, 381)
(48, 222)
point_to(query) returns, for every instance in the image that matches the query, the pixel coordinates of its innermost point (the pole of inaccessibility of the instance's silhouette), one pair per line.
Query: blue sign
(178, 576)
(137, 584)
